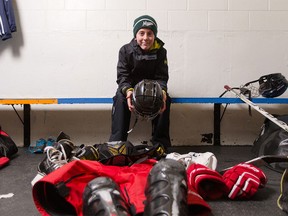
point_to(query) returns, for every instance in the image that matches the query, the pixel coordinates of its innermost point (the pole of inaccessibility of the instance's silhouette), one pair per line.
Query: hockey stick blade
(276, 121)
(262, 161)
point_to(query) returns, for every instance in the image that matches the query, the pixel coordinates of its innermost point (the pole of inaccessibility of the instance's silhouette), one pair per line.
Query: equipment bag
(272, 140)
(7, 145)
(7, 148)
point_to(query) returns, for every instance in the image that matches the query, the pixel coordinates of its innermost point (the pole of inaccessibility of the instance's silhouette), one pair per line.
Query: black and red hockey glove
(244, 180)
(207, 182)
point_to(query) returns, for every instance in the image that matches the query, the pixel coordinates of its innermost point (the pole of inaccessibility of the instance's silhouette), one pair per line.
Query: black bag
(272, 140)
(7, 146)
(125, 153)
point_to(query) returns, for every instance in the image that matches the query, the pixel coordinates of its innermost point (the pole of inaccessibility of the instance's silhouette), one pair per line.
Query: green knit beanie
(144, 21)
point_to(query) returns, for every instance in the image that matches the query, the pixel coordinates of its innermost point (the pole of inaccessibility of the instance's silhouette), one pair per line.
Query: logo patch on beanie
(147, 23)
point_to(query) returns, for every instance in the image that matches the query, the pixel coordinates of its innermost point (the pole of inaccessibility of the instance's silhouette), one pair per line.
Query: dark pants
(121, 116)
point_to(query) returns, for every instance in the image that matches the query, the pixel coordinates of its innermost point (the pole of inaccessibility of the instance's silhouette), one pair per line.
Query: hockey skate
(56, 156)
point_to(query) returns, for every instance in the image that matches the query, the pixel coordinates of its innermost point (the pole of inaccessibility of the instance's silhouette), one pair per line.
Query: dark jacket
(7, 19)
(134, 65)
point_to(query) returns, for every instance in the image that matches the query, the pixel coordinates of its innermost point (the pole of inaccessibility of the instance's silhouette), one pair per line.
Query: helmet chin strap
(136, 120)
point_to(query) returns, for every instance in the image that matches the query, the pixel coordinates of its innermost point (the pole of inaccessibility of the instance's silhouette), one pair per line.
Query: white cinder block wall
(69, 48)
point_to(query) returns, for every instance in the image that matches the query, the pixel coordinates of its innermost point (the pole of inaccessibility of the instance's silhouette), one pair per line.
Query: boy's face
(145, 38)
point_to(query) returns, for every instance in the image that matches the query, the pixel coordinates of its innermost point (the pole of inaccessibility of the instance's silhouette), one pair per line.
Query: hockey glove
(207, 182)
(243, 181)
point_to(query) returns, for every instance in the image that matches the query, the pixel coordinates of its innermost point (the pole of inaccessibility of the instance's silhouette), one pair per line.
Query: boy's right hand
(129, 100)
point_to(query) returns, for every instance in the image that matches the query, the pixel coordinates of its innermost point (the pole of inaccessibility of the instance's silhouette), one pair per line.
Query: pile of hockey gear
(109, 178)
(178, 184)
(119, 153)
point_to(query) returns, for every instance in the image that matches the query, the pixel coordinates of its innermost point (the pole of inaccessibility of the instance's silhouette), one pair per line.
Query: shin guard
(166, 189)
(102, 197)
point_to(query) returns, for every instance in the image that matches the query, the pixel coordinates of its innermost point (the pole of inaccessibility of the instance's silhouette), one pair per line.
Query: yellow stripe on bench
(29, 101)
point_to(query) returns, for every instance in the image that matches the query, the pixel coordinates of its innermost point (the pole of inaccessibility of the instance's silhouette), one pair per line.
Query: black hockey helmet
(272, 85)
(147, 99)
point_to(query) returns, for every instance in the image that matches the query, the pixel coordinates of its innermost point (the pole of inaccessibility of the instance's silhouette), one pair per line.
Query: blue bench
(216, 101)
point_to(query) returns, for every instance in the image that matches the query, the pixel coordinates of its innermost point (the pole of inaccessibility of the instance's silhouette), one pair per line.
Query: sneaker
(39, 148)
(207, 159)
(56, 156)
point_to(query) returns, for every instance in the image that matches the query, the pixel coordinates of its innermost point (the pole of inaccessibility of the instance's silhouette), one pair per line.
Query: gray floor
(16, 177)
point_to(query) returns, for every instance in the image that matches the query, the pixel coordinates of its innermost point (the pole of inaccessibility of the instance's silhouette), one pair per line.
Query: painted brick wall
(69, 48)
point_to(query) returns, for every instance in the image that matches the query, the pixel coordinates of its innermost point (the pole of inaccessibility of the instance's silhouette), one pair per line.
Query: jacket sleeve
(123, 81)
(10, 15)
(7, 20)
(162, 75)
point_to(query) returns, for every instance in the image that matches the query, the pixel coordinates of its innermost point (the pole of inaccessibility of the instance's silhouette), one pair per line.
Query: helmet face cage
(147, 99)
(272, 85)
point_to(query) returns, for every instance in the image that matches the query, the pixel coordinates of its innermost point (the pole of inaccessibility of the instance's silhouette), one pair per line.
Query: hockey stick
(264, 160)
(278, 122)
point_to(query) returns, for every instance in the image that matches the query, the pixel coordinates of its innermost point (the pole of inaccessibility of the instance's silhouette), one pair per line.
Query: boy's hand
(129, 100)
(163, 108)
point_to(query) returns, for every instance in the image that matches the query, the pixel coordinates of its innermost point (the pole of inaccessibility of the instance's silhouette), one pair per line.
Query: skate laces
(207, 159)
(56, 157)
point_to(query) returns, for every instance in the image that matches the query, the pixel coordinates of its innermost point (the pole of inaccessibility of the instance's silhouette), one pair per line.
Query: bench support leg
(27, 131)
(217, 126)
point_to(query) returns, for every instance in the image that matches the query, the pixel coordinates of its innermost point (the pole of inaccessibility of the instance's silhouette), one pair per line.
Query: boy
(143, 58)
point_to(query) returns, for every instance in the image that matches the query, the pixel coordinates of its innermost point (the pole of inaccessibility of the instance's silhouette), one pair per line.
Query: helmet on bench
(272, 85)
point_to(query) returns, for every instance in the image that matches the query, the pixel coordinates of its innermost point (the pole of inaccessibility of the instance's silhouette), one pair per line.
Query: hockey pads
(166, 189)
(125, 153)
(243, 181)
(207, 182)
(87, 152)
(102, 196)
